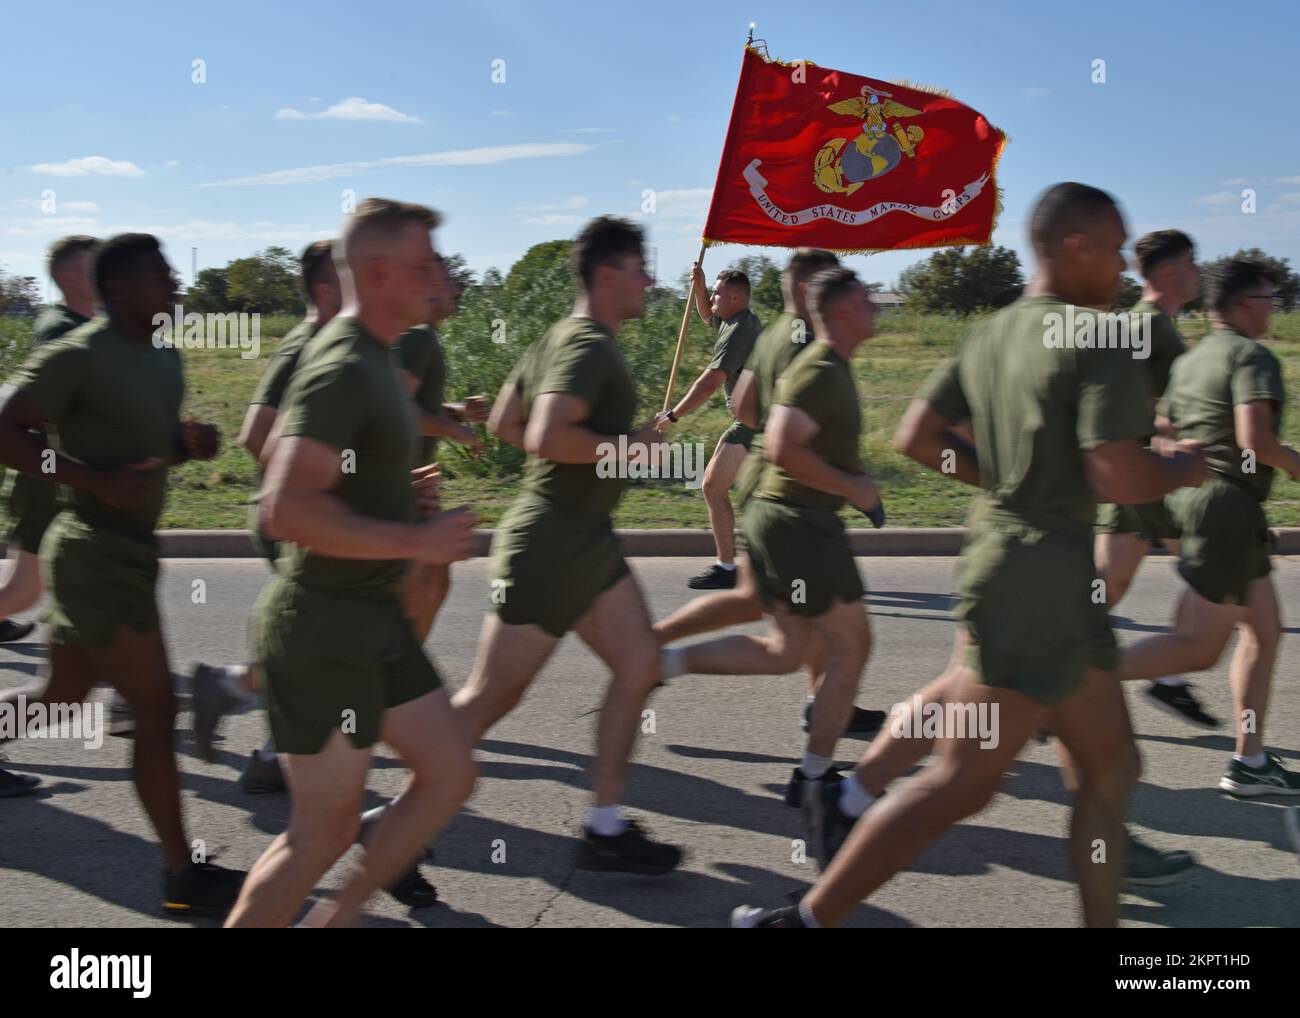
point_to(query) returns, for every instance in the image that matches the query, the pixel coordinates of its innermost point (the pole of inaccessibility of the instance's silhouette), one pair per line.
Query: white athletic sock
(232, 681)
(1256, 761)
(606, 820)
(854, 799)
(1171, 680)
(672, 662)
(806, 914)
(371, 815)
(728, 566)
(814, 766)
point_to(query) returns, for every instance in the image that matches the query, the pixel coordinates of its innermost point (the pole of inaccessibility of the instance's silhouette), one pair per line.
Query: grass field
(889, 369)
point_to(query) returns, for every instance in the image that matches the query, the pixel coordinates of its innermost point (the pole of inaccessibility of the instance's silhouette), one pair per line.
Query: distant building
(889, 300)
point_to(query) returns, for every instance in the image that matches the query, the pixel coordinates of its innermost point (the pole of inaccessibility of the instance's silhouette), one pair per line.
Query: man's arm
(298, 505)
(1255, 424)
(703, 299)
(440, 425)
(555, 432)
(744, 399)
(1125, 473)
(259, 419)
(508, 418)
(701, 389)
(934, 441)
(787, 442)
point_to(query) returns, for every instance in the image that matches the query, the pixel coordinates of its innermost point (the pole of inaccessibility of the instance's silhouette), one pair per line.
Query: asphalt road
(81, 853)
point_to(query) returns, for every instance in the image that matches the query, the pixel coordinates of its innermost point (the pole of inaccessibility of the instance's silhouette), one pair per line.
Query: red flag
(821, 158)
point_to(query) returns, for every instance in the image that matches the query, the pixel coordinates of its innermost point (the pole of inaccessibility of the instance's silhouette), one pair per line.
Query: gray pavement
(82, 854)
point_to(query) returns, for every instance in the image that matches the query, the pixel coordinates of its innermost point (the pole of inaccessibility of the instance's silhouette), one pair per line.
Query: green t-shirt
(419, 352)
(1166, 347)
(578, 357)
(54, 321)
(275, 379)
(1222, 371)
(736, 338)
(346, 394)
(820, 383)
(113, 401)
(1035, 408)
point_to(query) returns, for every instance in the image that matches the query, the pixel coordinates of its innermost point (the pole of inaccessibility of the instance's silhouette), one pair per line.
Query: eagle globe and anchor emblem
(843, 165)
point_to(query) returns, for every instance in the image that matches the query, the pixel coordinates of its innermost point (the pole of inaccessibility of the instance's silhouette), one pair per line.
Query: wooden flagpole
(681, 333)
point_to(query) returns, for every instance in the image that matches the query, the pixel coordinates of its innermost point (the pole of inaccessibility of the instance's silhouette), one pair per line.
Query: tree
(19, 295)
(460, 270)
(963, 280)
(210, 293)
(1127, 293)
(265, 283)
(764, 281)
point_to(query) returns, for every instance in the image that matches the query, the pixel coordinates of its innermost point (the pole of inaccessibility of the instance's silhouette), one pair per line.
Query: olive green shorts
(549, 563)
(334, 662)
(98, 579)
(1226, 540)
(1031, 606)
(801, 557)
(33, 504)
(1150, 521)
(739, 434)
(264, 546)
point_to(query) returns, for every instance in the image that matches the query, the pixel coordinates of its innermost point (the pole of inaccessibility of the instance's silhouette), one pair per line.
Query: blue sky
(601, 102)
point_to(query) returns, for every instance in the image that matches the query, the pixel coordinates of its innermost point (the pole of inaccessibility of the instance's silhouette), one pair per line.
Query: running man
(788, 335)
(556, 564)
(113, 393)
(220, 688)
(343, 667)
(1167, 262)
(1227, 394)
(725, 309)
(1041, 652)
(796, 544)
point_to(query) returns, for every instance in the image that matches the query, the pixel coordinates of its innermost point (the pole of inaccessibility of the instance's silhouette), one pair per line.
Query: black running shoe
(825, 823)
(413, 891)
(864, 723)
(714, 578)
(629, 852)
(1179, 701)
(794, 790)
(1149, 867)
(262, 774)
(746, 917)
(13, 785)
(11, 631)
(201, 889)
(1271, 779)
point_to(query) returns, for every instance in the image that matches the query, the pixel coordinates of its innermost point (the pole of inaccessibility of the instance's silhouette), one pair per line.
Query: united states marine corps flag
(822, 158)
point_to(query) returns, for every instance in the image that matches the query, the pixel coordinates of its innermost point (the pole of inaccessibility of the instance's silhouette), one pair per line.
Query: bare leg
(23, 588)
(846, 639)
(719, 475)
(427, 587)
(1118, 557)
(1201, 632)
(1260, 634)
(617, 628)
(509, 658)
(713, 611)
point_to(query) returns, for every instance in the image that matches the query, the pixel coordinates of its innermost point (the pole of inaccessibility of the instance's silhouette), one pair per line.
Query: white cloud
(1285, 180)
(555, 220)
(578, 201)
(1217, 198)
(1234, 182)
(262, 230)
(456, 157)
(90, 164)
(37, 226)
(594, 130)
(64, 206)
(171, 164)
(691, 203)
(502, 113)
(353, 108)
(1290, 198)
(1037, 91)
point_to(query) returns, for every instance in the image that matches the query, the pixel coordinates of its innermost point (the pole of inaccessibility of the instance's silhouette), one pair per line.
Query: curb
(910, 541)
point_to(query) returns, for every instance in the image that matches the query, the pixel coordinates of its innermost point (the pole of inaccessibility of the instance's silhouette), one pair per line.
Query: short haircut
(807, 262)
(734, 277)
(828, 286)
(314, 261)
(1161, 246)
(1064, 209)
(604, 241)
(66, 247)
(382, 217)
(1233, 278)
(117, 257)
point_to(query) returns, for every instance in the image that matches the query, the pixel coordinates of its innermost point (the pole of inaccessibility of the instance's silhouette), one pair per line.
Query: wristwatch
(672, 416)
